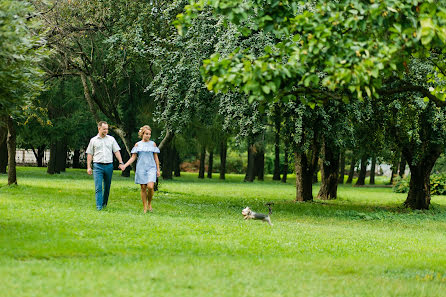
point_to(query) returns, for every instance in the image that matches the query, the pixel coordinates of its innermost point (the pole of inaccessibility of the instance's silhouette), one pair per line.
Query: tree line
(325, 77)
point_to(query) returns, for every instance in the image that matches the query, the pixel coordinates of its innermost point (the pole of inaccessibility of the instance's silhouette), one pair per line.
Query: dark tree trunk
(351, 172)
(211, 162)
(362, 171)
(392, 177)
(394, 170)
(202, 160)
(76, 159)
(402, 166)
(177, 169)
(329, 172)
(3, 156)
(249, 177)
(223, 152)
(314, 180)
(304, 176)
(52, 168)
(11, 142)
(259, 165)
(167, 158)
(61, 157)
(372, 171)
(276, 175)
(285, 165)
(419, 195)
(305, 165)
(39, 154)
(341, 168)
(419, 188)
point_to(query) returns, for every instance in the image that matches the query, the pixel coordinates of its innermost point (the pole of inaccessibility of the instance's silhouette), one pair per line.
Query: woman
(147, 167)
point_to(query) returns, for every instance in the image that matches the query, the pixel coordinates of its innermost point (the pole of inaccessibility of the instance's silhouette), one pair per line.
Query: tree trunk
(402, 166)
(39, 154)
(419, 188)
(202, 160)
(304, 176)
(11, 142)
(285, 165)
(177, 169)
(419, 195)
(166, 140)
(362, 171)
(223, 152)
(314, 180)
(167, 158)
(329, 172)
(76, 159)
(249, 177)
(276, 175)
(52, 168)
(351, 172)
(164, 156)
(305, 166)
(259, 165)
(3, 156)
(211, 162)
(394, 170)
(393, 175)
(341, 168)
(61, 157)
(372, 171)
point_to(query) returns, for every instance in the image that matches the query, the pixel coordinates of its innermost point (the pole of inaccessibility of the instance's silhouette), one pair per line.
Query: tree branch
(413, 88)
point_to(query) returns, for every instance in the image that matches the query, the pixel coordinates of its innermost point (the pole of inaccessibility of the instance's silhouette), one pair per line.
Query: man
(100, 150)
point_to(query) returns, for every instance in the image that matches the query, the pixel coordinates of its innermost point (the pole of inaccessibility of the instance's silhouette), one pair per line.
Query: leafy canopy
(21, 50)
(345, 45)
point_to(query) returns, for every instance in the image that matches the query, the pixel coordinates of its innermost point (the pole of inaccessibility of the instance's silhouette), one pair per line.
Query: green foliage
(440, 165)
(235, 162)
(66, 120)
(196, 241)
(437, 182)
(21, 49)
(401, 185)
(346, 45)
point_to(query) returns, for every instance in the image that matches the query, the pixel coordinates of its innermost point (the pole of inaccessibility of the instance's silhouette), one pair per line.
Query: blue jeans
(102, 173)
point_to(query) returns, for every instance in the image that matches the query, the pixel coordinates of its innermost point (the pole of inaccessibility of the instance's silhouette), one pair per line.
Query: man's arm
(118, 156)
(89, 159)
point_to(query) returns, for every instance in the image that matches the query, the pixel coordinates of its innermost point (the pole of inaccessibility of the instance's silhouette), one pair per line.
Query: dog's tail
(269, 204)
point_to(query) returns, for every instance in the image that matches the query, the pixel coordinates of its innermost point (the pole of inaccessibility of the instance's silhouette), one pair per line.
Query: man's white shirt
(102, 149)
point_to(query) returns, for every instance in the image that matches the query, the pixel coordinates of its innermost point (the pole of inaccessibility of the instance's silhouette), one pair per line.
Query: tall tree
(357, 46)
(106, 44)
(21, 50)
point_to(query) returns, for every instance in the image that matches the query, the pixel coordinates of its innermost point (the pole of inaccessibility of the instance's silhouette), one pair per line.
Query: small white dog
(249, 214)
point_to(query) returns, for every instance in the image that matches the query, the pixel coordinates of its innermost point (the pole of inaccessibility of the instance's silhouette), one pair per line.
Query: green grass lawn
(54, 243)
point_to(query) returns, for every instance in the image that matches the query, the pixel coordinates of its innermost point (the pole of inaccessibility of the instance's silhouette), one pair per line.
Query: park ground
(54, 243)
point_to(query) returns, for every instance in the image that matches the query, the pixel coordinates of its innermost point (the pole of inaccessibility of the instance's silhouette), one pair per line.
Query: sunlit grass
(54, 243)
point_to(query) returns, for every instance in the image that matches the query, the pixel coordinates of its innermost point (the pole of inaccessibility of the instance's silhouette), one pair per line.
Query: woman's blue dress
(145, 166)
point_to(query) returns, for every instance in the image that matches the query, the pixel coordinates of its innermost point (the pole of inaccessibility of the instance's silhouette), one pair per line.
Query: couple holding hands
(100, 152)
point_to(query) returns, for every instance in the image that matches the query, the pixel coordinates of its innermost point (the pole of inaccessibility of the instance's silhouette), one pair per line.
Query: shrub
(438, 184)
(401, 185)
